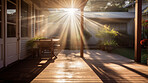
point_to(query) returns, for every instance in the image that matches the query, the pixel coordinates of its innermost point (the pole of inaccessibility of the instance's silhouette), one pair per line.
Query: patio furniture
(45, 46)
(48, 46)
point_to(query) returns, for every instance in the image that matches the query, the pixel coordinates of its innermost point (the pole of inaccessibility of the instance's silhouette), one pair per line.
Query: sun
(71, 11)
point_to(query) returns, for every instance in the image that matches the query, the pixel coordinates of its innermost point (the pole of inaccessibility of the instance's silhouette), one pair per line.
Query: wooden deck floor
(97, 66)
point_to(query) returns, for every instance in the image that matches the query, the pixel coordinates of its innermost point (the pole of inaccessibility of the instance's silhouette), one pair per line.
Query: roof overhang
(109, 15)
(60, 3)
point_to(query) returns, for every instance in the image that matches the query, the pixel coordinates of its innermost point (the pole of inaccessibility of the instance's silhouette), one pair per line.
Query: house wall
(33, 23)
(23, 50)
(122, 25)
(9, 41)
(130, 27)
(32, 19)
(132, 9)
(14, 48)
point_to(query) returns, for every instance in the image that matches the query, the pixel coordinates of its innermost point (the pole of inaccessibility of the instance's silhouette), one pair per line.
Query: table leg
(53, 53)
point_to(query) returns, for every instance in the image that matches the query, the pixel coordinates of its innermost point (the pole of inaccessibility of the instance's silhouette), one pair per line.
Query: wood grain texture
(97, 66)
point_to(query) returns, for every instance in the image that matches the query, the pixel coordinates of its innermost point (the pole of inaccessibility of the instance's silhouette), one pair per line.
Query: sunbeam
(65, 24)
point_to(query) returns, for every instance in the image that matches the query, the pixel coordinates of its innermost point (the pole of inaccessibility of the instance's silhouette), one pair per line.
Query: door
(1, 34)
(11, 34)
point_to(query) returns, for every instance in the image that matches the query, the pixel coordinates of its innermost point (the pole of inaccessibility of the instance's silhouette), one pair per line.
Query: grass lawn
(129, 53)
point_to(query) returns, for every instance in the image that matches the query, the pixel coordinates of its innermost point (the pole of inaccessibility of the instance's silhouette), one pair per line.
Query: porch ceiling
(60, 3)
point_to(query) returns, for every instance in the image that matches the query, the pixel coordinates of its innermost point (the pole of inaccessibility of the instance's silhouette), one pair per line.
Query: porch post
(81, 33)
(138, 26)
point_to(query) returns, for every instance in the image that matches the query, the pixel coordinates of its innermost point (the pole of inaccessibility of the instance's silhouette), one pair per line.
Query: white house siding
(23, 52)
(130, 27)
(119, 27)
(131, 9)
(127, 27)
(23, 48)
(31, 30)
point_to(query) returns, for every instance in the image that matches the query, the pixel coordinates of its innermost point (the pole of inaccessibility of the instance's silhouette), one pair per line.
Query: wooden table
(46, 44)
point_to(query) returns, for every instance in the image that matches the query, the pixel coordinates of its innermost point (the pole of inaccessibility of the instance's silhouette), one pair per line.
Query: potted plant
(31, 46)
(144, 43)
(110, 45)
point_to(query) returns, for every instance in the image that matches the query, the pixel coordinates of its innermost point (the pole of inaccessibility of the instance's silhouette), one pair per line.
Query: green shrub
(110, 43)
(129, 53)
(106, 33)
(107, 36)
(30, 44)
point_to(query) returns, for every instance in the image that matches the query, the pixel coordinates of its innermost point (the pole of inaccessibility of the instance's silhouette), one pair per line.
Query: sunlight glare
(71, 11)
(65, 24)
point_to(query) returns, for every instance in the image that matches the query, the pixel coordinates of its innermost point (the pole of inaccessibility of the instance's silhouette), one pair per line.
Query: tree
(107, 5)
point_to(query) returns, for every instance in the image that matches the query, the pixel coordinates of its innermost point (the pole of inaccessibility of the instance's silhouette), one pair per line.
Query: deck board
(96, 67)
(68, 67)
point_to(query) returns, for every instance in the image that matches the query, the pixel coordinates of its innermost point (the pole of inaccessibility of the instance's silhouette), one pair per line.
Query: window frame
(12, 23)
(28, 5)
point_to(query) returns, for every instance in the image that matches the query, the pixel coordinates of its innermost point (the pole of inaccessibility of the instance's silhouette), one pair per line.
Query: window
(11, 32)
(24, 17)
(11, 18)
(0, 18)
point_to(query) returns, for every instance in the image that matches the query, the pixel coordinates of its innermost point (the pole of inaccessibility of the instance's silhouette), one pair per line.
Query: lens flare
(65, 23)
(71, 11)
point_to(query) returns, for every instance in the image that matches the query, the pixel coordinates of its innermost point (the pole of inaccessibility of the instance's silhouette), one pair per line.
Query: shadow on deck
(24, 71)
(112, 68)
